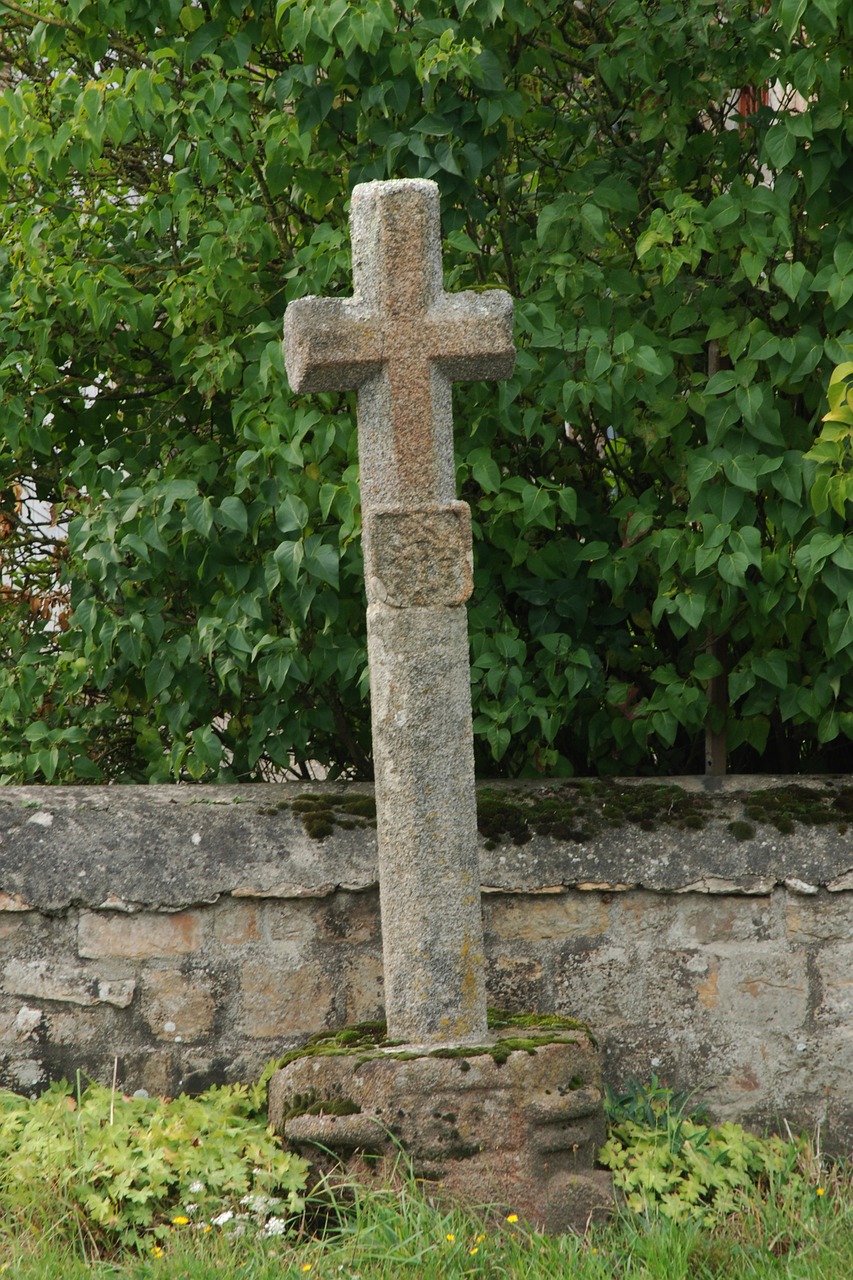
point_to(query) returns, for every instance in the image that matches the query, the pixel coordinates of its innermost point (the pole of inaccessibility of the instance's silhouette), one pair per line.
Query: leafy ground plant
(125, 1171)
(796, 1222)
(671, 1163)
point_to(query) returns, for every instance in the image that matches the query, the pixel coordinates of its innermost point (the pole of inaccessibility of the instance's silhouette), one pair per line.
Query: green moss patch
(742, 830)
(311, 1105)
(368, 1040)
(578, 811)
(322, 812)
(785, 807)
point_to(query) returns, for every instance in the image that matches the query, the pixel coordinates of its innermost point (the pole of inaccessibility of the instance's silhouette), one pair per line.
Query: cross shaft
(401, 342)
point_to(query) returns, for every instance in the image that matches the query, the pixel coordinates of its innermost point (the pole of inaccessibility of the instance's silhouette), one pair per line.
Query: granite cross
(401, 341)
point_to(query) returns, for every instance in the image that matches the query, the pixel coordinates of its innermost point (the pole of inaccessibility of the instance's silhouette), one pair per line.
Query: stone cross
(401, 341)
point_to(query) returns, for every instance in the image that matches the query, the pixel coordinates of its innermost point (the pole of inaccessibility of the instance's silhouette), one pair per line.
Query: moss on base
(368, 1040)
(311, 1105)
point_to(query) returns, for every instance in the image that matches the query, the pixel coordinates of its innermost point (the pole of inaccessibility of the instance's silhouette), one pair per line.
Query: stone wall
(192, 934)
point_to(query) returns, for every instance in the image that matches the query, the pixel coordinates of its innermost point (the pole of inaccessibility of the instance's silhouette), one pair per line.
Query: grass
(706, 1202)
(383, 1235)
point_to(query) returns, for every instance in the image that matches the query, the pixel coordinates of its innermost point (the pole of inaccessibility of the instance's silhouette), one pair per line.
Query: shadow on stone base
(515, 1130)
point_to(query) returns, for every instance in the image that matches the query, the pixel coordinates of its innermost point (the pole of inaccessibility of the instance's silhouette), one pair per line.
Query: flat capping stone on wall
(168, 847)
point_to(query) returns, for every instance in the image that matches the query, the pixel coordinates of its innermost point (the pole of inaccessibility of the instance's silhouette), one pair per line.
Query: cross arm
(473, 335)
(330, 344)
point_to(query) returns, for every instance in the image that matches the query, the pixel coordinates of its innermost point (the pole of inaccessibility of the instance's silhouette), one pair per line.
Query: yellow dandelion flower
(474, 1250)
(157, 1251)
(307, 1266)
(821, 1191)
(480, 1239)
(181, 1220)
(512, 1217)
(450, 1236)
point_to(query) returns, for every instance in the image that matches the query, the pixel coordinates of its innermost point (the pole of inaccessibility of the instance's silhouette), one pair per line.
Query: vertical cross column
(401, 342)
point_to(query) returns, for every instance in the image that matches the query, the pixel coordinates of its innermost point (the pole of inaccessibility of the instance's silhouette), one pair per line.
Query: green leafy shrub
(650, 513)
(128, 1169)
(668, 1162)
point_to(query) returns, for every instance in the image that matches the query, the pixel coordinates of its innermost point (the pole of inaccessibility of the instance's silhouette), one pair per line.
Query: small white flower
(256, 1203)
(222, 1218)
(275, 1227)
(195, 1187)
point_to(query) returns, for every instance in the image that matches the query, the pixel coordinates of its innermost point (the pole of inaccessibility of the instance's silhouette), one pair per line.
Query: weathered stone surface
(364, 988)
(432, 931)
(419, 556)
(278, 1001)
(46, 981)
(660, 981)
(836, 977)
(402, 341)
(135, 843)
(521, 1135)
(13, 902)
(178, 1006)
(27, 1022)
(515, 918)
(135, 937)
(236, 924)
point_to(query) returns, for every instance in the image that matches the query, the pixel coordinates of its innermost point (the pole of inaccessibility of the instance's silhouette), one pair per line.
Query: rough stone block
(764, 988)
(516, 982)
(178, 1006)
(599, 985)
(826, 917)
(835, 967)
(278, 1002)
(138, 937)
(708, 919)
(429, 871)
(546, 918)
(418, 556)
(295, 921)
(521, 1134)
(117, 991)
(27, 1022)
(364, 987)
(46, 981)
(640, 915)
(23, 1074)
(236, 923)
(75, 1039)
(351, 919)
(13, 902)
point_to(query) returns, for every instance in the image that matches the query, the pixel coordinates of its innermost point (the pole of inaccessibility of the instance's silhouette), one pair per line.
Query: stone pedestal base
(514, 1123)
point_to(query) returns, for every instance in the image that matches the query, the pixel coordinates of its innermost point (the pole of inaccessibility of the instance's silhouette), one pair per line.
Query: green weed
(121, 1172)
